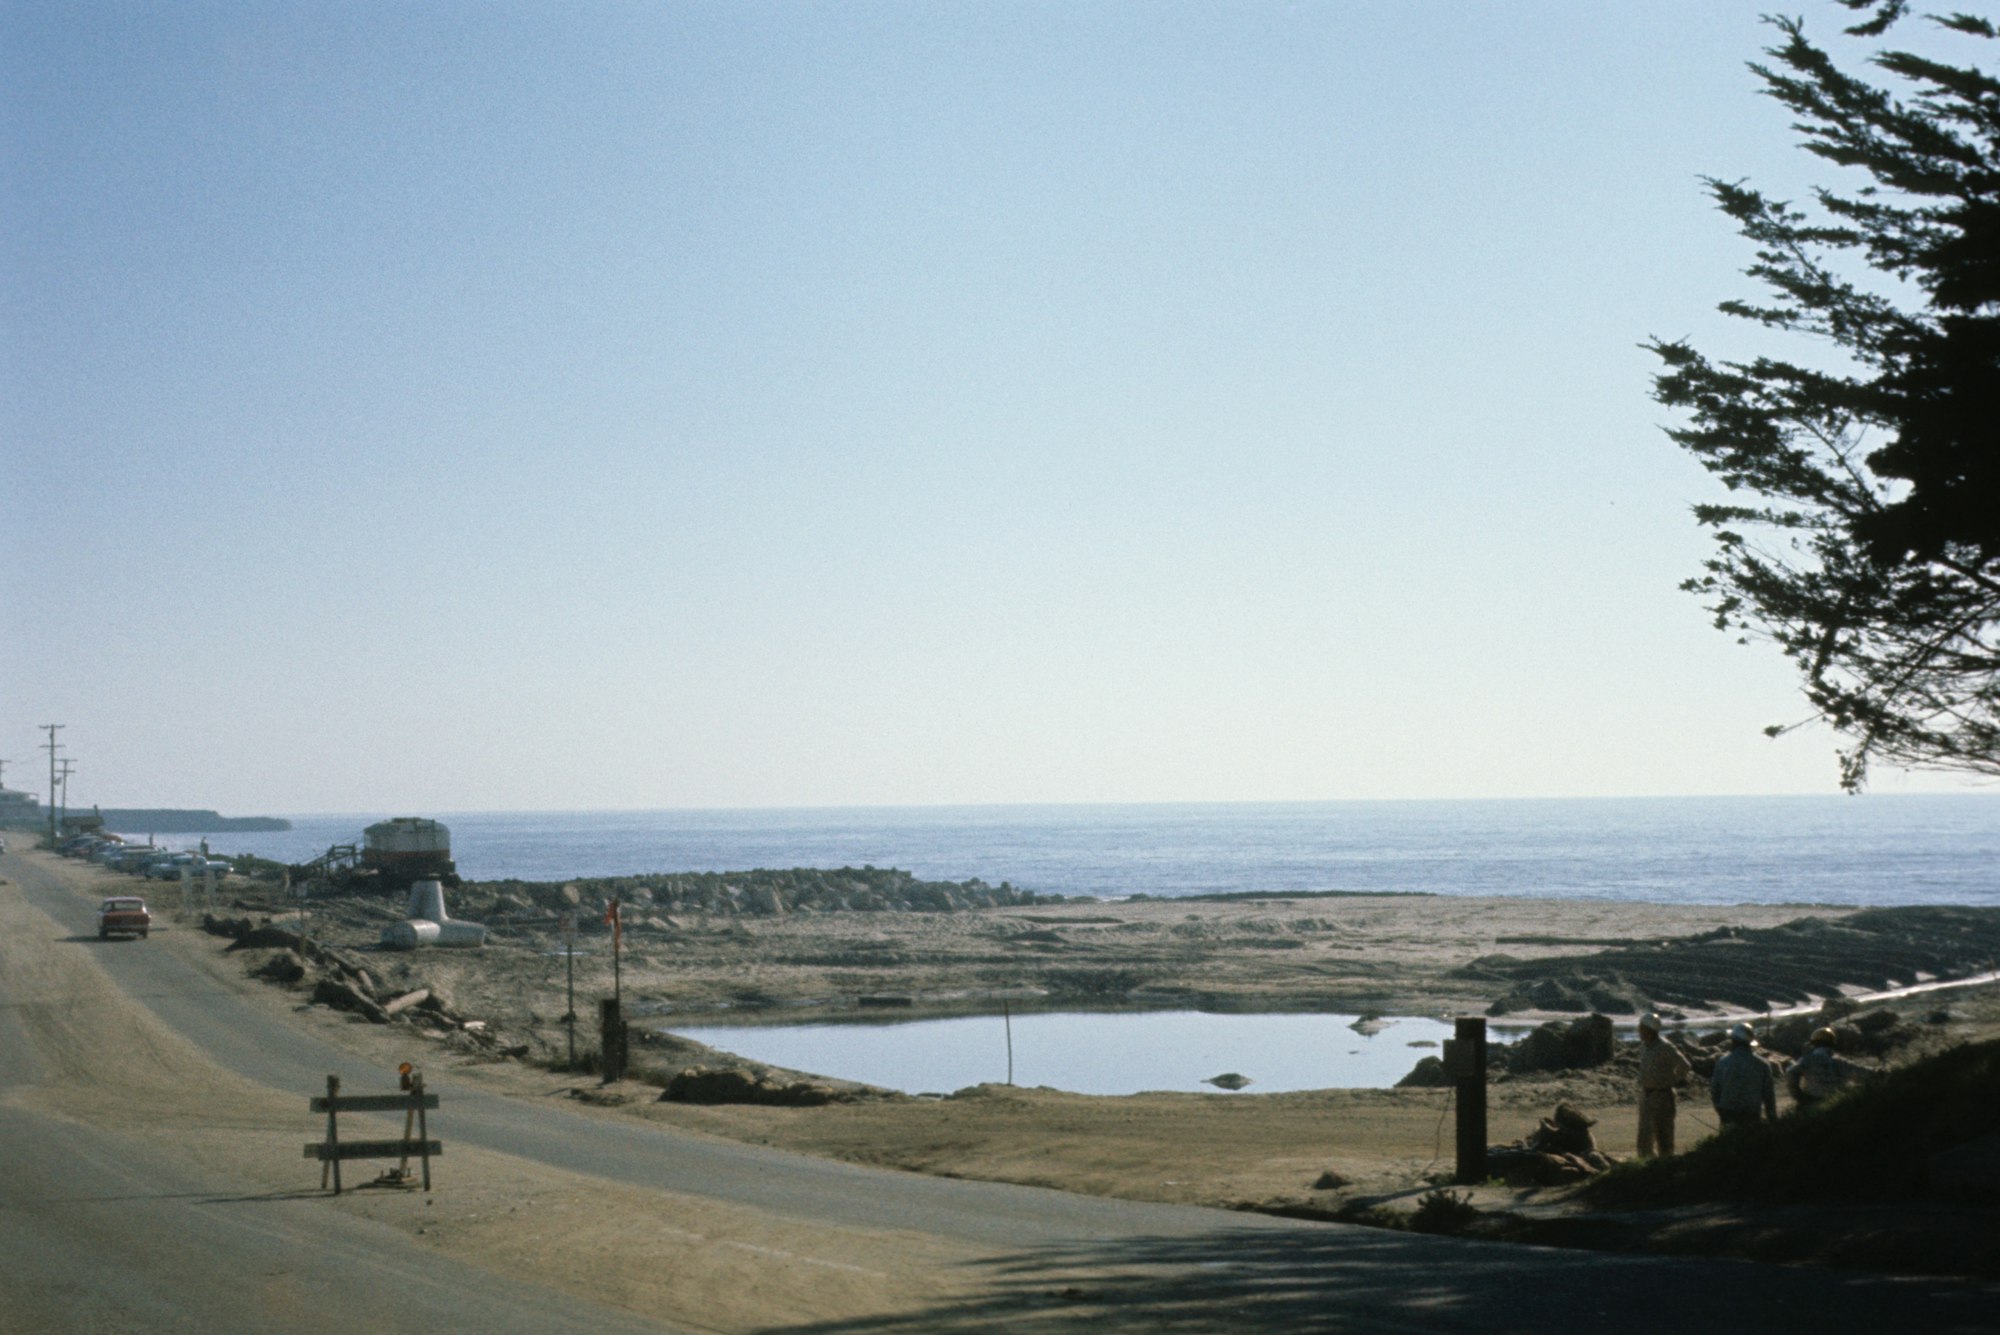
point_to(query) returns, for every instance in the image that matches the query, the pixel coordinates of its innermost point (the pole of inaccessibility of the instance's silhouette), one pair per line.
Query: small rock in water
(1228, 1080)
(1369, 1024)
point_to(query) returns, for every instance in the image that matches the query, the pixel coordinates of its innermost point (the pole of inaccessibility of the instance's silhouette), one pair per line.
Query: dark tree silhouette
(1868, 549)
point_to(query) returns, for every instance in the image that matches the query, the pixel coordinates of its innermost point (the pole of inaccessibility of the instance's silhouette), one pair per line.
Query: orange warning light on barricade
(404, 1073)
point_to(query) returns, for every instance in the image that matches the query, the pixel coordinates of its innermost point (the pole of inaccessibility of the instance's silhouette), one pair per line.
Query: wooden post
(617, 942)
(423, 1127)
(569, 955)
(332, 1135)
(1470, 1033)
(611, 1040)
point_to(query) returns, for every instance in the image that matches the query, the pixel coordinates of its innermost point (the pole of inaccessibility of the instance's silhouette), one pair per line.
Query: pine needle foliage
(1867, 545)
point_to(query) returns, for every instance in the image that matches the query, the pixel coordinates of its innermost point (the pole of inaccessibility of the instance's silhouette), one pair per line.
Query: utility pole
(68, 768)
(52, 729)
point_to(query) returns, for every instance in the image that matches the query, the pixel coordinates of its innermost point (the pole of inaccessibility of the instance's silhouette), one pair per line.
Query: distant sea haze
(1870, 850)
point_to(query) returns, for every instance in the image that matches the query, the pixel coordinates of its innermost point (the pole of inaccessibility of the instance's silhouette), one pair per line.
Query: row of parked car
(155, 864)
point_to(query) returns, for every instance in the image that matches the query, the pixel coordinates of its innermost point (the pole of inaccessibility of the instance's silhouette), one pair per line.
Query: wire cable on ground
(1437, 1139)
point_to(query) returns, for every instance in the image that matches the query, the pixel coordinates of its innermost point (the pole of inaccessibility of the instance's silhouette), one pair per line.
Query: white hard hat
(1650, 1020)
(1740, 1033)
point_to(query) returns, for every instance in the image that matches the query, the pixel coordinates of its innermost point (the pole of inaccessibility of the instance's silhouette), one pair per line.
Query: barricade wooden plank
(373, 1149)
(372, 1103)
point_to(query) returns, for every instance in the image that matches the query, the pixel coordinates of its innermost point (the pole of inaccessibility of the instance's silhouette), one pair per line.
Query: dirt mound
(734, 1086)
(1753, 968)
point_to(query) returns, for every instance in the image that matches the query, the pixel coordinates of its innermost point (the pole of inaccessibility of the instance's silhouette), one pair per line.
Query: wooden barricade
(413, 1103)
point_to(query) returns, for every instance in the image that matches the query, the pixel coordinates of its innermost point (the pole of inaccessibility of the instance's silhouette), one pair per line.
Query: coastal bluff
(186, 820)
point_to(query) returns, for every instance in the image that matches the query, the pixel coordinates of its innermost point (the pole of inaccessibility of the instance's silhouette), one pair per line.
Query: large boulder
(1560, 1045)
(1428, 1073)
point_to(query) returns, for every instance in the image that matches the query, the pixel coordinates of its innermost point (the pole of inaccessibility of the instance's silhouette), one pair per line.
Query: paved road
(1160, 1267)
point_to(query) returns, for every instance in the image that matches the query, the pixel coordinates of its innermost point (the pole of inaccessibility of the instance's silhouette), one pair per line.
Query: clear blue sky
(465, 405)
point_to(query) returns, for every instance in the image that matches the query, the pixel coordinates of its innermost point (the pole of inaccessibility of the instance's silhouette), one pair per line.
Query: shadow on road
(198, 1197)
(299, 1194)
(1353, 1279)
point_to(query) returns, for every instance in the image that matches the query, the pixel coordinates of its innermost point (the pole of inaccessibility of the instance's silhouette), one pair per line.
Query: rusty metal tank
(408, 849)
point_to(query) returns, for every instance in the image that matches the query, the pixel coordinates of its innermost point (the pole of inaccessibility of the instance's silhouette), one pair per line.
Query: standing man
(1661, 1067)
(1742, 1086)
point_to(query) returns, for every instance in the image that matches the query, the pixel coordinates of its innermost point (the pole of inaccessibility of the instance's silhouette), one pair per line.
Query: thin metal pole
(1007, 1015)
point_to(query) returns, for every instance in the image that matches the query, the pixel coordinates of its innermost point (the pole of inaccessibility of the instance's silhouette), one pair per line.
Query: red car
(123, 915)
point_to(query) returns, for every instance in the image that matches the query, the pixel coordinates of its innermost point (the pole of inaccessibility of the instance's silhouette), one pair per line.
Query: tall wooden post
(1469, 1033)
(332, 1136)
(617, 945)
(569, 955)
(611, 1039)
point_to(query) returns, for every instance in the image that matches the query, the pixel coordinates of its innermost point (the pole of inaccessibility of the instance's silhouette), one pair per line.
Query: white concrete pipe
(429, 924)
(410, 934)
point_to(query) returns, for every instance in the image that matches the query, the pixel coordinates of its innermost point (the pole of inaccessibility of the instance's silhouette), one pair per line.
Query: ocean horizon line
(1145, 805)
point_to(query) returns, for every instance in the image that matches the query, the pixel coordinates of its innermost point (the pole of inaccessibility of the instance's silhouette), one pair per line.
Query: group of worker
(1743, 1088)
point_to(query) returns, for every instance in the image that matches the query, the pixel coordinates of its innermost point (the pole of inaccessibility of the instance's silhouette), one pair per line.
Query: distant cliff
(169, 820)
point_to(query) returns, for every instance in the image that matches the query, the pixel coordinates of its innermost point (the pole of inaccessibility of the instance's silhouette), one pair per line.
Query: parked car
(169, 868)
(123, 915)
(132, 858)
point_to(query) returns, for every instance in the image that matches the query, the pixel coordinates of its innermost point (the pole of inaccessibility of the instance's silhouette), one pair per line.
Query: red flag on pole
(617, 924)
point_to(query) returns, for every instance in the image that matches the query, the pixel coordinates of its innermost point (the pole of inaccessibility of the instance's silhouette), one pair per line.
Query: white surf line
(1518, 1023)
(1858, 998)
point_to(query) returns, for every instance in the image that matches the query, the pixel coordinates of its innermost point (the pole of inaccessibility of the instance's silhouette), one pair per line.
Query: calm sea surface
(1886, 849)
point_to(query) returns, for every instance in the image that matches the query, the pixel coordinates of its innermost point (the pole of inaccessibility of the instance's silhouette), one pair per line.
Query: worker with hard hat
(1661, 1067)
(1822, 1072)
(1742, 1086)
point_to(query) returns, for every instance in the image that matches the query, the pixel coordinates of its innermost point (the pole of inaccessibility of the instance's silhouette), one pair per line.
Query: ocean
(1871, 850)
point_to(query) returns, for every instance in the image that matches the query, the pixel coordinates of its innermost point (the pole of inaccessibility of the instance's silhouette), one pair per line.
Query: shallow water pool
(1092, 1052)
